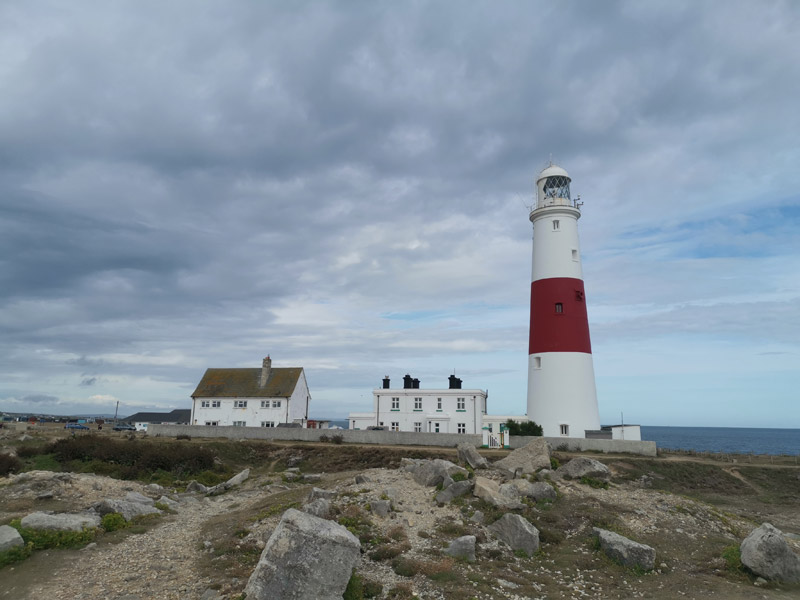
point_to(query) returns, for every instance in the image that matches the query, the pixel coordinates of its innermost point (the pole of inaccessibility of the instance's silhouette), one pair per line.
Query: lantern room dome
(552, 171)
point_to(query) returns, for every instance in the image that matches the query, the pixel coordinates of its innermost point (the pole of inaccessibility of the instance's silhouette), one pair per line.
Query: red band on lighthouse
(559, 322)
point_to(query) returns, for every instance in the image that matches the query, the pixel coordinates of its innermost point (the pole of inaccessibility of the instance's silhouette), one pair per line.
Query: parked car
(124, 427)
(75, 426)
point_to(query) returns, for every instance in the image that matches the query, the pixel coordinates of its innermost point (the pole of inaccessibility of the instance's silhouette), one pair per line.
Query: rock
(467, 454)
(522, 488)
(9, 538)
(169, 502)
(530, 458)
(767, 554)
(360, 479)
(24, 437)
(489, 490)
(410, 464)
(237, 479)
(291, 476)
(154, 488)
(477, 517)
(391, 493)
(60, 522)
(305, 557)
(294, 460)
(463, 547)
(137, 497)
(434, 472)
(320, 507)
(760, 582)
(381, 507)
(127, 509)
(459, 488)
(210, 594)
(45, 496)
(584, 467)
(312, 477)
(626, 552)
(194, 486)
(320, 493)
(517, 532)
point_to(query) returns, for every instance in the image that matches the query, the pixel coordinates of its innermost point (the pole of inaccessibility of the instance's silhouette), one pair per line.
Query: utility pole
(116, 411)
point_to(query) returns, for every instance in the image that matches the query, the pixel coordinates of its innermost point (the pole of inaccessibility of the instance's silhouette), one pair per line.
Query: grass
(41, 539)
(594, 483)
(15, 555)
(113, 522)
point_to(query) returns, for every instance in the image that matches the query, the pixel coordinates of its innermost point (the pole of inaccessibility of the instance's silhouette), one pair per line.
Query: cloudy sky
(344, 185)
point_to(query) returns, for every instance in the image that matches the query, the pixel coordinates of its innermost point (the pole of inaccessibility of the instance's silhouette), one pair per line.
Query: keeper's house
(453, 410)
(264, 397)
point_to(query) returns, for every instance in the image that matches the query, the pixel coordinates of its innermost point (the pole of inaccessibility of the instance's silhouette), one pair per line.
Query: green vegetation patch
(594, 483)
(113, 522)
(527, 428)
(42, 538)
(17, 554)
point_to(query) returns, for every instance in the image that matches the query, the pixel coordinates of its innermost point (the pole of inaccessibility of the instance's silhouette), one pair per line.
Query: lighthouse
(561, 391)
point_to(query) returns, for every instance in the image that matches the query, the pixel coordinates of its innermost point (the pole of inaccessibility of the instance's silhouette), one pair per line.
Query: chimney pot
(266, 369)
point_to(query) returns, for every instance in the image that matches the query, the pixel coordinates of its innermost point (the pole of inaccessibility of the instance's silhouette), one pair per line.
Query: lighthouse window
(537, 364)
(556, 186)
(555, 225)
(574, 254)
(559, 307)
(564, 429)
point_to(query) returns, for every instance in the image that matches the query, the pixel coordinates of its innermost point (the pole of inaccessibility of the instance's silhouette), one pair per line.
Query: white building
(264, 397)
(452, 410)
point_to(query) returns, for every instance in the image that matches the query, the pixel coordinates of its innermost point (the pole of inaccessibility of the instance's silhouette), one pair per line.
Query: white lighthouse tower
(561, 391)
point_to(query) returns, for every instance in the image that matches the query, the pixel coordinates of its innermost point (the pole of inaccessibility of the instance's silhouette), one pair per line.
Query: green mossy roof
(243, 383)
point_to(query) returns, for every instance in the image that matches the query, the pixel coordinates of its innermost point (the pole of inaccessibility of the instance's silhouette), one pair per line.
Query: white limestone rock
(9, 538)
(517, 532)
(625, 551)
(463, 547)
(583, 466)
(60, 522)
(766, 553)
(530, 458)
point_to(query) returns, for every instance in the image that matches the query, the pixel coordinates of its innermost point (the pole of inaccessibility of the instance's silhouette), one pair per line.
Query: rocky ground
(208, 546)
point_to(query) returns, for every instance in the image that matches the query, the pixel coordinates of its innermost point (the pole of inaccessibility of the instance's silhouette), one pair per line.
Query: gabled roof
(243, 383)
(179, 415)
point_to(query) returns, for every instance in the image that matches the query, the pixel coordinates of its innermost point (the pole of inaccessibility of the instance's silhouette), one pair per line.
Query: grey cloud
(39, 399)
(88, 381)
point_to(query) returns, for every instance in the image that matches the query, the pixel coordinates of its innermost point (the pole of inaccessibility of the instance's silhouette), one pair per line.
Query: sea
(729, 440)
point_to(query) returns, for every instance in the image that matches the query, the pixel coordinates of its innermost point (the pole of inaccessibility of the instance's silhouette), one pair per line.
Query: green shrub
(113, 522)
(458, 477)
(554, 464)
(527, 428)
(354, 589)
(372, 589)
(15, 554)
(28, 451)
(733, 558)
(386, 551)
(406, 567)
(42, 538)
(595, 483)
(9, 464)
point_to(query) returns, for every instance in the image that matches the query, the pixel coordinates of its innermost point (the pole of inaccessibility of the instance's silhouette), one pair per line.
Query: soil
(694, 509)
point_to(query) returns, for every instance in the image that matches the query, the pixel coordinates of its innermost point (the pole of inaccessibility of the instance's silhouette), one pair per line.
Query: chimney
(407, 382)
(386, 382)
(415, 384)
(455, 382)
(266, 369)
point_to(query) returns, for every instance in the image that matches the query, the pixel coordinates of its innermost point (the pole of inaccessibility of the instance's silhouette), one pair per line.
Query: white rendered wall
(406, 416)
(631, 433)
(562, 392)
(552, 248)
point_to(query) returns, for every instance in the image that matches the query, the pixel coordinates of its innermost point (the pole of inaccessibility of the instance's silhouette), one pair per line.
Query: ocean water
(735, 440)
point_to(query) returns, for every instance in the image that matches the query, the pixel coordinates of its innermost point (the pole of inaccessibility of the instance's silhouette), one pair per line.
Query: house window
(462, 428)
(212, 423)
(565, 430)
(460, 404)
(240, 404)
(490, 427)
(215, 403)
(436, 427)
(418, 427)
(537, 362)
(276, 404)
(205, 404)
(395, 403)
(395, 426)
(239, 423)
(438, 404)
(556, 225)
(265, 404)
(417, 403)
(559, 307)
(272, 424)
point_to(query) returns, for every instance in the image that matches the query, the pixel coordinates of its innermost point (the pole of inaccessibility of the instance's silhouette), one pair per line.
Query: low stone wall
(388, 438)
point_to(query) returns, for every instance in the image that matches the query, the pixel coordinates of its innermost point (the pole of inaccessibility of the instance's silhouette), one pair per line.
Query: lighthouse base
(561, 393)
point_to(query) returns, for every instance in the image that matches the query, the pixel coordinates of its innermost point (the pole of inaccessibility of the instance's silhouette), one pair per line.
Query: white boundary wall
(397, 438)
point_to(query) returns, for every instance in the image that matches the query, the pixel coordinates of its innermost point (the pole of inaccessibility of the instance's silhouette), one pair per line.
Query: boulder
(477, 517)
(194, 486)
(312, 477)
(434, 472)
(60, 522)
(320, 507)
(624, 551)
(361, 479)
(127, 509)
(517, 532)
(320, 493)
(583, 466)
(459, 488)
(154, 488)
(137, 497)
(381, 507)
(410, 464)
(237, 479)
(468, 455)
(463, 547)
(530, 458)
(305, 557)
(173, 504)
(489, 490)
(766, 553)
(522, 488)
(9, 538)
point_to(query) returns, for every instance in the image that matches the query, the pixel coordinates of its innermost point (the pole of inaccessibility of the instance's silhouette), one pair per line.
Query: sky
(345, 187)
